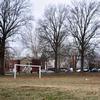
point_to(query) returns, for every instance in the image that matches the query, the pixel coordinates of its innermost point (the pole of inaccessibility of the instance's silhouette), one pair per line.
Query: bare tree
(83, 25)
(12, 17)
(52, 30)
(30, 41)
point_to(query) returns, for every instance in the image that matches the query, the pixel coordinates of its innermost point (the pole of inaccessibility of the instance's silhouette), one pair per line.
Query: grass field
(76, 86)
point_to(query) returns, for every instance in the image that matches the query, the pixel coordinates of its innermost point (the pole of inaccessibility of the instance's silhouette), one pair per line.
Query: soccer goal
(27, 69)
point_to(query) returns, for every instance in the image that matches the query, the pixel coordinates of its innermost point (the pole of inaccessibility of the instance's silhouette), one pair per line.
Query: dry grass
(76, 86)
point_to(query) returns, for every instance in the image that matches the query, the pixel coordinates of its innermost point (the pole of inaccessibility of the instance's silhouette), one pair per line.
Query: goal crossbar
(15, 69)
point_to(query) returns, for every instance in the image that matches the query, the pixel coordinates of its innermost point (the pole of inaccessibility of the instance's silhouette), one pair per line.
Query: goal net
(26, 69)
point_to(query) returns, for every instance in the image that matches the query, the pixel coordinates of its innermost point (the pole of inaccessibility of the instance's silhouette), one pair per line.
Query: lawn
(76, 86)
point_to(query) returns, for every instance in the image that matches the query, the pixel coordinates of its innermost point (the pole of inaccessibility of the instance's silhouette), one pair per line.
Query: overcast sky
(38, 6)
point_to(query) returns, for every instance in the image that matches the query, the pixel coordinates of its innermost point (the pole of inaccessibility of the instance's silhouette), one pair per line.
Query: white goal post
(26, 66)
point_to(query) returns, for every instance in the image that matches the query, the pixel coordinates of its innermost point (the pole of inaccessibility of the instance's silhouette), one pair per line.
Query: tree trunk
(82, 60)
(75, 62)
(59, 64)
(2, 71)
(56, 61)
(2, 59)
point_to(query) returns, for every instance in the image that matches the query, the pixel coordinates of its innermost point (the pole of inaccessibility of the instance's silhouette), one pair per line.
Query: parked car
(94, 70)
(47, 71)
(63, 70)
(51, 69)
(78, 70)
(98, 69)
(85, 69)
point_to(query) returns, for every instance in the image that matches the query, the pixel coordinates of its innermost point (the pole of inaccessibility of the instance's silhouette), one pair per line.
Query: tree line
(79, 20)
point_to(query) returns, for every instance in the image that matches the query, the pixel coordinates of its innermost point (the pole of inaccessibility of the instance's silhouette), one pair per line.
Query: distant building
(9, 64)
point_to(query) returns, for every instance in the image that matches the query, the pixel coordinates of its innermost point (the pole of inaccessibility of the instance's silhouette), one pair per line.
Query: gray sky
(38, 6)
